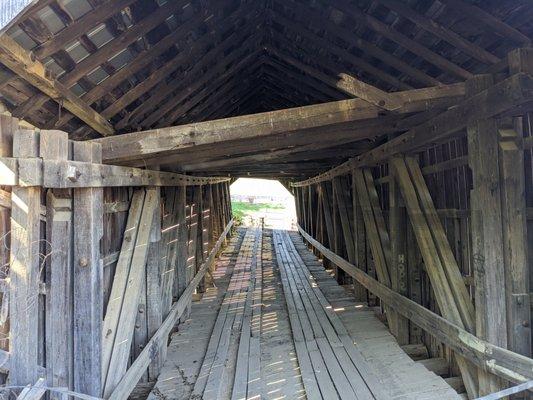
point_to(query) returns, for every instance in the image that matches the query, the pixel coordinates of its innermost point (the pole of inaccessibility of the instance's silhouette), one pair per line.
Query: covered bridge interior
(401, 127)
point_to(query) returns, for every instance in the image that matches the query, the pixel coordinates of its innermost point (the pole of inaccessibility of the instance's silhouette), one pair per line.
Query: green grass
(242, 209)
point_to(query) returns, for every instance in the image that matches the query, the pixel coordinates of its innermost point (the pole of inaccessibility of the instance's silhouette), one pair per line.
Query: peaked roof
(142, 64)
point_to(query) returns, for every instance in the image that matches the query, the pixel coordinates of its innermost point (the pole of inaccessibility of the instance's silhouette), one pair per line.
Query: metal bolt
(83, 262)
(73, 174)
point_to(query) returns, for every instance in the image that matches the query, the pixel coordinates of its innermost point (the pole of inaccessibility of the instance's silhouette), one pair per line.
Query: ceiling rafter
(396, 36)
(284, 69)
(39, 32)
(114, 46)
(224, 95)
(490, 21)
(341, 53)
(364, 46)
(191, 100)
(80, 27)
(308, 97)
(142, 60)
(20, 61)
(239, 60)
(157, 76)
(441, 32)
(162, 101)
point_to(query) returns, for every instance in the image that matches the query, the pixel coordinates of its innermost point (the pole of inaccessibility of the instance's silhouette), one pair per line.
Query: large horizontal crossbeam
(155, 143)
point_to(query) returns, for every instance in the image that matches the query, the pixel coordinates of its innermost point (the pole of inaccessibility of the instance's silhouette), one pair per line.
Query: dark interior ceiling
(145, 64)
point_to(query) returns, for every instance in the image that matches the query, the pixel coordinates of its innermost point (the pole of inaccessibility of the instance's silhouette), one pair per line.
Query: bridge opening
(262, 202)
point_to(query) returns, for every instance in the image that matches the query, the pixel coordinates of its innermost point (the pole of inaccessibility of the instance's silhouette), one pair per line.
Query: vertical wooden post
(326, 210)
(344, 206)
(87, 276)
(8, 125)
(181, 218)
(55, 146)
(310, 209)
(193, 231)
(24, 269)
(154, 309)
(200, 252)
(228, 200)
(487, 237)
(215, 230)
(338, 247)
(398, 267)
(359, 240)
(514, 217)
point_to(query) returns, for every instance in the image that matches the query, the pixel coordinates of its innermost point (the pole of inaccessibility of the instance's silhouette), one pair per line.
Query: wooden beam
(142, 144)
(499, 361)
(487, 234)
(87, 279)
(80, 27)
(305, 152)
(55, 145)
(120, 280)
(441, 266)
(35, 73)
(61, 174)
(307, 13)
(394, 35)
(512, 95)
(360, 64)
(24, 272)
(135, 272)
(433, 27)
(489, 20)
(310, 138)
(137, 368)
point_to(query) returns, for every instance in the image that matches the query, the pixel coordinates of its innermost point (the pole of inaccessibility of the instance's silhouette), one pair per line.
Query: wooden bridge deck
(277, 325)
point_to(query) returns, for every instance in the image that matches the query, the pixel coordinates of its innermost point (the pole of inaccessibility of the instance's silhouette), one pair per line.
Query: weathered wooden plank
(486, 231)
(118, 361)
(514, 218)
(504, 97)
(514, 222)
(440, 271)
(24, 270)
(137, 368)
(128, 147)
(449, 263)
(33, 392)
(510, 366)
(182, 255)
(398, 267)
(87, 277)
(77, 174)
(34, 72)
(120, 280)
(54, 145)
(154, 306)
